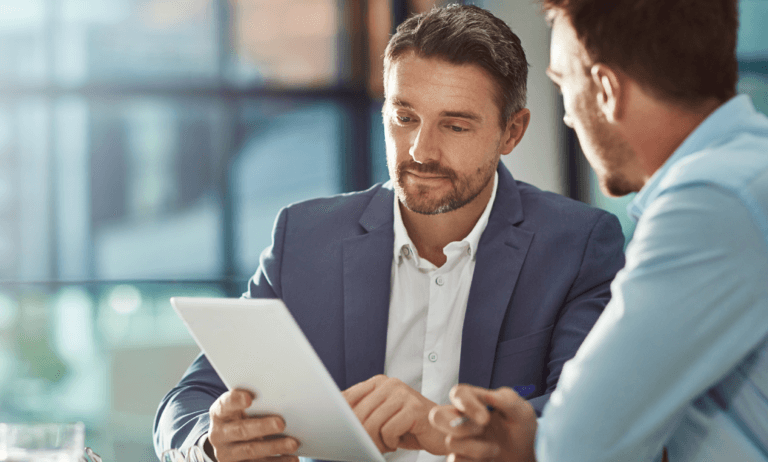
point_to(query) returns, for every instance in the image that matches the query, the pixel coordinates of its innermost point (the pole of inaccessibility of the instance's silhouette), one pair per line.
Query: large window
(146, 147)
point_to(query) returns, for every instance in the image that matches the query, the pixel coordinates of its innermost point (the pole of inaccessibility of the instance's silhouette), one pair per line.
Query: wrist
(432, 439)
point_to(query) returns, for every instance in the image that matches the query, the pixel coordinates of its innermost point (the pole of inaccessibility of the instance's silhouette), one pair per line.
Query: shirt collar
(402, 240)
(714, 128)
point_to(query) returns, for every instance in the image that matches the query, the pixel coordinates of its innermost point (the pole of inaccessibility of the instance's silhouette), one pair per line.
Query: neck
(659, 128)
(431, 233)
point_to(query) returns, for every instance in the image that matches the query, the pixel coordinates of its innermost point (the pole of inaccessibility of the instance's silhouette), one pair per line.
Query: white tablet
(256, 344)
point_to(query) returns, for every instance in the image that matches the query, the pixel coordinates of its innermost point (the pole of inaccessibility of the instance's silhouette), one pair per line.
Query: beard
(608, 152)
(464, 190)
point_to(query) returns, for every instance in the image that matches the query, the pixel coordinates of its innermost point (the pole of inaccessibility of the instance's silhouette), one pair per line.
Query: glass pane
(378, 145)
(138, 41)
(753, 35)
(286, 43)
(23, 38)
(756, 86)
(154, 209)
(379, 24)
(290, 153)
(103, 354)
(25, 189)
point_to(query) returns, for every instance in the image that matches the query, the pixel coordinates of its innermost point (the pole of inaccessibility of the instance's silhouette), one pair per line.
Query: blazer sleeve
(603, 257)
(182, 417)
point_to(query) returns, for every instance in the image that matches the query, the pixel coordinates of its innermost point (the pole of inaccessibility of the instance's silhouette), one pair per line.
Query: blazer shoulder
(553, 216)
(335, 212)
(545, 208)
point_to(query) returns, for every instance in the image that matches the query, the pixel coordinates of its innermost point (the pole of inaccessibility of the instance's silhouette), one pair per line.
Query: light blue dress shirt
(679, 357)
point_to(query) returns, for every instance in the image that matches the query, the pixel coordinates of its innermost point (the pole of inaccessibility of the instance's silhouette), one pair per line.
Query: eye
(457, 129)
(403, 119)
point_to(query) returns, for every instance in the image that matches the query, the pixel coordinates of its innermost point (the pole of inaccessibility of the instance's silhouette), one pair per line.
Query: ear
(610, 91)
(516, 127)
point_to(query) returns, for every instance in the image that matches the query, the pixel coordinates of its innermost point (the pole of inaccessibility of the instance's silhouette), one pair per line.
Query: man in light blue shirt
(676, 367)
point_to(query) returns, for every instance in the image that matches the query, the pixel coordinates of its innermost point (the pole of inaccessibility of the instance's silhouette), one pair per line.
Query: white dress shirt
(426, 316)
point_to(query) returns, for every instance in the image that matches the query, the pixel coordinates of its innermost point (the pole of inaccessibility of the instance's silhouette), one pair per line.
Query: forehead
(566, 53)
(433, 84)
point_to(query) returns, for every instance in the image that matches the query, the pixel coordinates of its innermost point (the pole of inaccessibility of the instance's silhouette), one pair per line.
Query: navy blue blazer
(542, 275)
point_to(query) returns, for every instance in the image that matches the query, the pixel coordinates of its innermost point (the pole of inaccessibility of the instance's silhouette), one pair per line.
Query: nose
(568, 120)
(423, 145)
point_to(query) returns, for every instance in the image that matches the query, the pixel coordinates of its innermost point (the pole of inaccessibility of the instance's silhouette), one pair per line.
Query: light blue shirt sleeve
(688, 307)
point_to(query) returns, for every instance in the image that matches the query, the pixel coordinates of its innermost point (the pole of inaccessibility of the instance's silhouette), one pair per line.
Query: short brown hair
(466, 34)
(681, 50)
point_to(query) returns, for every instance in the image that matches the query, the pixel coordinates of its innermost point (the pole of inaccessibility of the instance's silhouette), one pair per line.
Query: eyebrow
(458, 114)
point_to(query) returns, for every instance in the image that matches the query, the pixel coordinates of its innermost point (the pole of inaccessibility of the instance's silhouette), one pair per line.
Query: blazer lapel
(500, 256)
(367, 261)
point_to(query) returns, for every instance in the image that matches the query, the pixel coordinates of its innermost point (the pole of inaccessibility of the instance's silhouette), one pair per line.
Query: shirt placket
(442, 291)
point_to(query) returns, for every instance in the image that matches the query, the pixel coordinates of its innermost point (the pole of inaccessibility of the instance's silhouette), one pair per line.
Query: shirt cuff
(201, 443)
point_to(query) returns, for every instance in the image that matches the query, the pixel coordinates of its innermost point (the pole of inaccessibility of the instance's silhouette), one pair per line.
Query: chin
(616, 186)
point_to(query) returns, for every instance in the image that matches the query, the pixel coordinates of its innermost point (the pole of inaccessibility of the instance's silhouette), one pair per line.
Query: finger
(258, 449)
(376, 419)
(393, 420)
(457, 458)
(355, 393)
(510, 405)
(471, 401)
(230, 405)
(281, 458)
(441, 418)
(249, 429)
(369, 403)
(472, 448)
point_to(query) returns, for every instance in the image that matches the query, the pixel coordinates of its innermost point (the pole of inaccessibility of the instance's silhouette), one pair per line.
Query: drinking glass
(41, 442)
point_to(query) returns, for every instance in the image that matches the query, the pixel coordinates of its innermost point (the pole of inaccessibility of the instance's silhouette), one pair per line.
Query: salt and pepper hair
(466, 34)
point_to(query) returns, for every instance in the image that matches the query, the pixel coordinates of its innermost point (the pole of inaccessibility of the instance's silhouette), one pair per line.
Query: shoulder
(735, 164)
(737, 168)
(339, 211)
(701, 216)
(544, 209)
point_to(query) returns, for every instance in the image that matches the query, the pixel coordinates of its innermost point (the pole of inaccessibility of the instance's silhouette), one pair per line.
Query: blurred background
(146, 147)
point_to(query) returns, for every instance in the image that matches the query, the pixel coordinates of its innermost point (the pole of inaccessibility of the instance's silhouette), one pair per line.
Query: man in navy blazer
(539, 265)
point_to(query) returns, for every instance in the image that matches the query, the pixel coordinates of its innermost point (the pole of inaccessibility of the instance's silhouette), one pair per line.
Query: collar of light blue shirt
(726, 119)
(402, 240)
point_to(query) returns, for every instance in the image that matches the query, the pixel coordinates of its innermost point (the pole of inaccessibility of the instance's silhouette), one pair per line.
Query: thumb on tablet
(232, 405)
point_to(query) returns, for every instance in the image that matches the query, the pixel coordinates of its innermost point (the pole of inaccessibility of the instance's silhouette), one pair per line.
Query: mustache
(432, 168)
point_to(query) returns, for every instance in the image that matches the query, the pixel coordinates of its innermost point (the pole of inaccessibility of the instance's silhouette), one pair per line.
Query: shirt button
(469, 250)
(406, 252)
(433, 357)
(439, 281)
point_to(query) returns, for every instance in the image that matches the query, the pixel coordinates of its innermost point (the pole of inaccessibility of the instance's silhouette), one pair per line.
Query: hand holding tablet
(256, 345)
(237, 437)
